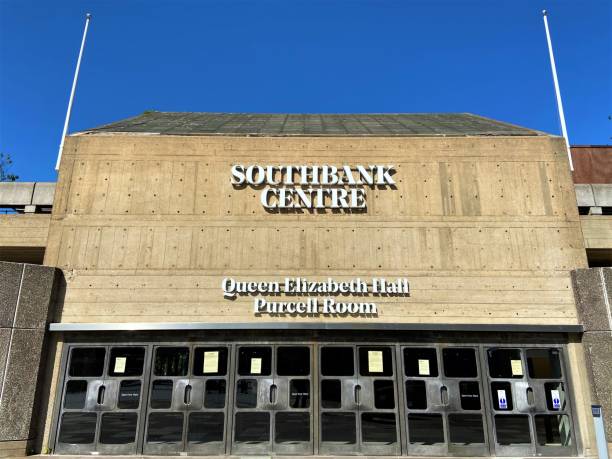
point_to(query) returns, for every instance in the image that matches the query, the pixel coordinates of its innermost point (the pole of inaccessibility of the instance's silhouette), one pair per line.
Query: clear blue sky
(482, 56)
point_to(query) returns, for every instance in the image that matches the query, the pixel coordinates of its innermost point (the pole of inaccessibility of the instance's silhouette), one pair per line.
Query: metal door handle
(529, 394)
(444, 395)
(273, 394)
(101, 391)
(357, 391)
(187, 395)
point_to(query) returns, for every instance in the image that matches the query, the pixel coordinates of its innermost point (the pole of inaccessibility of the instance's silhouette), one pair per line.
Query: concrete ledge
(593, 195)
(26, 193)
(153, 326)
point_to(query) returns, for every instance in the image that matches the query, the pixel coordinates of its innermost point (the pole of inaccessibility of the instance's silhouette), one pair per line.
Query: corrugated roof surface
(257, 124)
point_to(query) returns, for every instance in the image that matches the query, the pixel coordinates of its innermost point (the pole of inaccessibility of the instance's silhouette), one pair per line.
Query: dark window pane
(78, 428)
(384, 396)
(375, 361)
(171, 361)
(425, 428)
(256, 361)
(512, 429)
(459, 362)
(501, 393)
(252, 427)
(126, 361)
(293, 361)
(338, 427)
(290, 427)
(378, 427)
(87, 361)
(129, 395)
(543, 363)
(420, 361)
(76, 394)
(214, 393)
(118, 428)
(553, 430)
(246, 393)
(465, 428)
(299, 393)
(205, 427)
(161, 394)
(555, 396)
(337, 361)
(331, 393)
(469, 393)
(416, 395)
(165, 427)
(210, 361)
(505, 363)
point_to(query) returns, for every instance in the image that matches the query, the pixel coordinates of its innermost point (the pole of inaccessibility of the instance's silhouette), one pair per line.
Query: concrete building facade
(242, 284)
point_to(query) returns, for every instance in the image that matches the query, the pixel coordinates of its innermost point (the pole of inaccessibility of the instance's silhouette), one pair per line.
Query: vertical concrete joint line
(606, 299)
(8, 357)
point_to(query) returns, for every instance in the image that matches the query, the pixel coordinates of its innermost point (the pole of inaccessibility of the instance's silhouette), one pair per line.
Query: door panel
(444, 401)
(254, 400)
(101, 405)
(168, 400)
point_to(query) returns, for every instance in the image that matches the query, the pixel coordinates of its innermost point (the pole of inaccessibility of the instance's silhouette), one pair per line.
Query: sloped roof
(261, 124)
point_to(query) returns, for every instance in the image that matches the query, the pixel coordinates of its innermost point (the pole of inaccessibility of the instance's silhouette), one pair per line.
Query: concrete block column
(593, 291)
(26, 299)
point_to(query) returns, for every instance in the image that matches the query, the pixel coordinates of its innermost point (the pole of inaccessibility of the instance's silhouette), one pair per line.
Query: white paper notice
(211, 362)
(375, 361)
(120, 364)
(502, 400)
(256, 365)
(423, 367)
(517, 367)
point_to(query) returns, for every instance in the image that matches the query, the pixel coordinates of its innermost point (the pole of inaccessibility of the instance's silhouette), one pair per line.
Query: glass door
(529, 406)
(253, 401)
(168, 400)
(272, 404)
(443, 401)
(358, 401)
(292, 396)
(549, 402)
(207, 400)
(102, 400)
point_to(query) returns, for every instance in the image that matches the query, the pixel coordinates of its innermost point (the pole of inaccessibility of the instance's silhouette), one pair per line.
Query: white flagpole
(557, 91)
(74, 83)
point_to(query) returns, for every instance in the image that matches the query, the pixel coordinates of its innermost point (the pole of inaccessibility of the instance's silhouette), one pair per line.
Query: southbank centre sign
(313, 187)
(310, 293)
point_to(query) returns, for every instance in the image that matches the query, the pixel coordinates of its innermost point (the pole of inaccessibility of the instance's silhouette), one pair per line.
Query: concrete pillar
(26, 299)
(593, 291)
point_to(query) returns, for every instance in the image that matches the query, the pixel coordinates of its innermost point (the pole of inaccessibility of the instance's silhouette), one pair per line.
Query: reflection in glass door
(443, 401)
(272, 405)
(102, 400)
(358, 401)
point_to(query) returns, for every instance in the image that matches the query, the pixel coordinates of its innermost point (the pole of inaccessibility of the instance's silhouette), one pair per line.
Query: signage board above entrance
(313, 187)
(309, 290)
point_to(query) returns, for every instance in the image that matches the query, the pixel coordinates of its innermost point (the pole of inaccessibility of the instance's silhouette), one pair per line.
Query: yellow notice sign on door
(256, 366)
(423, 367)
(120, 364)
(517, 367)
(211, 362)
(375, 361)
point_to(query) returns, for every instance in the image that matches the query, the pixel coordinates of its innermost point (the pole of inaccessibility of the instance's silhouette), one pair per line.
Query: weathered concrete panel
(36, 292)
(10, 277)
(20, 386)
(584, 195)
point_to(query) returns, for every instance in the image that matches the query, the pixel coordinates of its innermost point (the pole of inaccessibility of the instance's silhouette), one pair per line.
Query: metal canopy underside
(332, 125)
